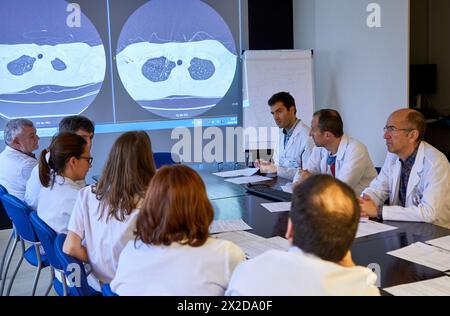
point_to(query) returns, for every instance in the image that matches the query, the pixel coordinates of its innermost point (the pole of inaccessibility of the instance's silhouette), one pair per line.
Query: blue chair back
(106, 290)
(165, 159)
(19, 213)
(67, 262)
(5, 222)
(47, 237)
(3, 190)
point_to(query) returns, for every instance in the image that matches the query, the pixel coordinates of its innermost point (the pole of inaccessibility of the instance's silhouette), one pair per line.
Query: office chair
(19, 212)
(5, 222)
(106, 290)
(74, 271)
(3, 191)
(47, 237)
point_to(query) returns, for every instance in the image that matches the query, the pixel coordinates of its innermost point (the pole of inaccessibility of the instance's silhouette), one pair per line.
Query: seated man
(337, 154)
(77, 124)
(294, 145)
(323, 221)
(17, 160)
(415, 176)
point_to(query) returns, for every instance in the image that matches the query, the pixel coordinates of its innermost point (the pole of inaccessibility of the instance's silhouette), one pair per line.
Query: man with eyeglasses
(415, 176)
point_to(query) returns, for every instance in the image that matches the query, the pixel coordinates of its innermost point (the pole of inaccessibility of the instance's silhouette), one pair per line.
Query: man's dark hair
(71, 124)
(283, 97)
(325, 216)
(330, 121)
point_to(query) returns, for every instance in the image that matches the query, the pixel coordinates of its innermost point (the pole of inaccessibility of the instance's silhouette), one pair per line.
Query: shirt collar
(291, 130)
(20, 152)
(331, 159)
(61, 180)
(411, 159)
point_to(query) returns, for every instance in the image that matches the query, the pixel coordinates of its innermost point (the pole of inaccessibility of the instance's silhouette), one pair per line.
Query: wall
(419, 32)
(362, 72)
(270, 24)
(439, 52)
(430, 43)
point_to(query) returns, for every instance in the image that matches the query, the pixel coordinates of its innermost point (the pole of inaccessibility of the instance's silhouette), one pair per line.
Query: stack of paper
(239, 237)
(434, 287)
(254, 245)
(367, 227)
(221, 226)
(237, 173)
(443, 242)
(252, 179)
(426, 255)
(277, 207)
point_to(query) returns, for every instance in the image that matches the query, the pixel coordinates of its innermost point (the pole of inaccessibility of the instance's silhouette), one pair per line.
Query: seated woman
(104, 216)
(62, 179)
(173, 253)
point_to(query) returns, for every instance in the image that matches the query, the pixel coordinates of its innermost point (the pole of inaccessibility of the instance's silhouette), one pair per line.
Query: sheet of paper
(239, 237)
(367, 227)
(434, 287)
(443, 242)
(280, 242)
(255, 248)
(221, 226)
(254, 245)
(251, 179)
(425, 255)
(277, 207)
(288, 187)
(237, 173)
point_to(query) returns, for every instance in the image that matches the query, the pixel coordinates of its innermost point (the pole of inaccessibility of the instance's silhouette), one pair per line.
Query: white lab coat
(295, 273)
(176, 269)
(295, 155)
(56, 203)
(353, 164)
(34, 186)
(15, 170)
(104, 238)
(428, 191)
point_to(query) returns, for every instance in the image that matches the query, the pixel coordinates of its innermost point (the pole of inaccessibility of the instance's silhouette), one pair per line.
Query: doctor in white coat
(337, 154)
(17, 160)
(294, 145)
(415, 176)
(322, 207)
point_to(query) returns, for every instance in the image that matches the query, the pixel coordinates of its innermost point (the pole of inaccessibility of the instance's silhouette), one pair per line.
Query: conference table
(231, 201)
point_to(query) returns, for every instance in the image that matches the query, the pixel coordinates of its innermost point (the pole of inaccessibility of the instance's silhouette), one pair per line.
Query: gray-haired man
(17, 160)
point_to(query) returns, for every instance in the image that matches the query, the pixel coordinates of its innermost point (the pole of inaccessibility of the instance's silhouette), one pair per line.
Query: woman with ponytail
(62, 176)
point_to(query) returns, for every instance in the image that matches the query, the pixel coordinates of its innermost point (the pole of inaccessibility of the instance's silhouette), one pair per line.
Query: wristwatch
(380, 212)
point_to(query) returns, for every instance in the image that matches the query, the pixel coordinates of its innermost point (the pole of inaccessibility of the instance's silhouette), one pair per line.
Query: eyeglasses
(393, 129)
(89, 159)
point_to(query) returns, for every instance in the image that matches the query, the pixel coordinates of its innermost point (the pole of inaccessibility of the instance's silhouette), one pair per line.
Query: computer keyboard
(268, 192)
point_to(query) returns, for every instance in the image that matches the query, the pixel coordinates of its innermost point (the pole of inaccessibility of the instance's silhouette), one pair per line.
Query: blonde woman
(104, 216)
